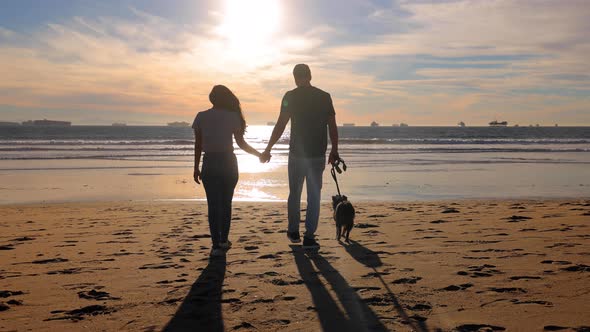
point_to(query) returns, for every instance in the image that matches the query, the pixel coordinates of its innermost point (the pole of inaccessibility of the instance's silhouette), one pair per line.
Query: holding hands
(265, 156)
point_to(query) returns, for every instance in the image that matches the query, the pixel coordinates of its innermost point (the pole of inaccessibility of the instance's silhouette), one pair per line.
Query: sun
(249, 25)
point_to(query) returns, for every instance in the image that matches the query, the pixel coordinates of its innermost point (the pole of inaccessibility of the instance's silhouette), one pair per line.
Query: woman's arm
(198, 150)
(239, 136)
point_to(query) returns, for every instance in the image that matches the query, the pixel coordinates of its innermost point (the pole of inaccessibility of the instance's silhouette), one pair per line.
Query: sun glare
(249, 25)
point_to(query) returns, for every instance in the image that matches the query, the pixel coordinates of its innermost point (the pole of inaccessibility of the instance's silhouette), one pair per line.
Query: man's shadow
(371, 259)
(356, 314)
(201, 308)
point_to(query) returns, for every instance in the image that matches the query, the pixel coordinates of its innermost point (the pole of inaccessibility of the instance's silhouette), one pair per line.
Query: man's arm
(277, 132)
(198, 150)
(333, 130)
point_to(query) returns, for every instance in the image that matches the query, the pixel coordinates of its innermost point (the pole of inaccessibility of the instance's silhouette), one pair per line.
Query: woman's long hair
(222, 97)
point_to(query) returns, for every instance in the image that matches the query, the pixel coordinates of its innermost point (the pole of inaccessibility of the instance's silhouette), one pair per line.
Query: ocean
(385, 163)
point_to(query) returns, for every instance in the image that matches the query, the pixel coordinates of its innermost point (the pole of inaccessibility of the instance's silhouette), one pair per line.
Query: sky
(420, 62)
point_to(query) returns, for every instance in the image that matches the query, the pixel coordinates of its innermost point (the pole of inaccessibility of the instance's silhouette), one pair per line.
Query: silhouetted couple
(311, 113)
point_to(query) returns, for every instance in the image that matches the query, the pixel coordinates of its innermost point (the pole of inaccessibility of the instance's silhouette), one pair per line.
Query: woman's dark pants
(220, 176)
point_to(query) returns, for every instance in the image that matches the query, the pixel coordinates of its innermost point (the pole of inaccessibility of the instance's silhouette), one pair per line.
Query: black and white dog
(343, 215)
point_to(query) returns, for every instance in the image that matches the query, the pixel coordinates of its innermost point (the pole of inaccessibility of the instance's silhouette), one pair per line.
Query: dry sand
(466, 266)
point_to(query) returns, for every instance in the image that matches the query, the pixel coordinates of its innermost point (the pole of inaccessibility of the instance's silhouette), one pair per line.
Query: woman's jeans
(309, 170)
(220, 176)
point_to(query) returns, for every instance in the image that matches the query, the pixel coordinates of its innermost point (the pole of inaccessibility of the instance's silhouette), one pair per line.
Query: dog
(343, 215)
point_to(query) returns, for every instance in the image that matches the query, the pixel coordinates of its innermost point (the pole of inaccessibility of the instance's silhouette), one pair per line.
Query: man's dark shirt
(309, 109)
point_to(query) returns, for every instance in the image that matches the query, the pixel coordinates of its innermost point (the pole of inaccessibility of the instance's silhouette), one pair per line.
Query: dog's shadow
(362, 254)
(371, 259)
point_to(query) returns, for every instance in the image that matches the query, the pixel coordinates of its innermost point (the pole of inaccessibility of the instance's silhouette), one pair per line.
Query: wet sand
(515, 265)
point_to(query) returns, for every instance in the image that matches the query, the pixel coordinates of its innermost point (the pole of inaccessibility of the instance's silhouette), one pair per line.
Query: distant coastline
(344, 125)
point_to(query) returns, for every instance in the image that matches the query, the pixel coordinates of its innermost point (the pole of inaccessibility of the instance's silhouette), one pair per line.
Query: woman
(213, 135)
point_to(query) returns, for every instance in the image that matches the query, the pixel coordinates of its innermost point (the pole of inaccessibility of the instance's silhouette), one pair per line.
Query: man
(311, 112)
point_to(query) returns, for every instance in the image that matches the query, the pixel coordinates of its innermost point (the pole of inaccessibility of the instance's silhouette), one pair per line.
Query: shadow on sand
(371, 259)
(356, 314)
(362, 254)
(201, 309)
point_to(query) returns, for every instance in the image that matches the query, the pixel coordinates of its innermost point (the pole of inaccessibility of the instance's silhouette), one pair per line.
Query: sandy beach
(515, 265)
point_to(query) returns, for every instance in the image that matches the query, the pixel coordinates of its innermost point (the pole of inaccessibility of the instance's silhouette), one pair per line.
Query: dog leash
(336, 168)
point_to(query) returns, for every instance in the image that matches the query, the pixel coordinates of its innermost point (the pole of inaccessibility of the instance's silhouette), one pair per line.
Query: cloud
(5, 33)
(147, 65)
(421, 62)
(469, 54)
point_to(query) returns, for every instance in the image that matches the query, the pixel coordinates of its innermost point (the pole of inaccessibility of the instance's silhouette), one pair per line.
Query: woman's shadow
(201, 308)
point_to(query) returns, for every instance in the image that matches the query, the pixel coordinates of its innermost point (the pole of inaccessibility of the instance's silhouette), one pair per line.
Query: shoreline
(324, 201)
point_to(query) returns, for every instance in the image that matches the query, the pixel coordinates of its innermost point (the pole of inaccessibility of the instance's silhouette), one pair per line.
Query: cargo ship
(8, 124)
(374, 124)
(47, 123)
(119, 124)
(498, 124)
(179, 124)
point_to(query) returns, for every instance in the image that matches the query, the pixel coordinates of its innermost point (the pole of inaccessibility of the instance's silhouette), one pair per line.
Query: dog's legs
(348, 234)
(338, 232)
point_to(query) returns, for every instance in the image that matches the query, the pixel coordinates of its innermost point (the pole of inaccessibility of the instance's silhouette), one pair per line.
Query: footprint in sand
(23, 239)
(559, 328)
(80, 314)
(410, 280)
(420, 307)
(243, 325)
(375, 274)
(50, 261)
(268, 256)
(577, 268)
(478, 328)
(366, 225)
(516, 218)
(96, 295)
(548, 261)
(282, 322)
(365, 289)
(6, 293)
(524, 278)
(454, 288)
(281, 282)
(480, 271)
(380, 300)
(161, 266)
(544, 303)
(507, 290)
(262, 301)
